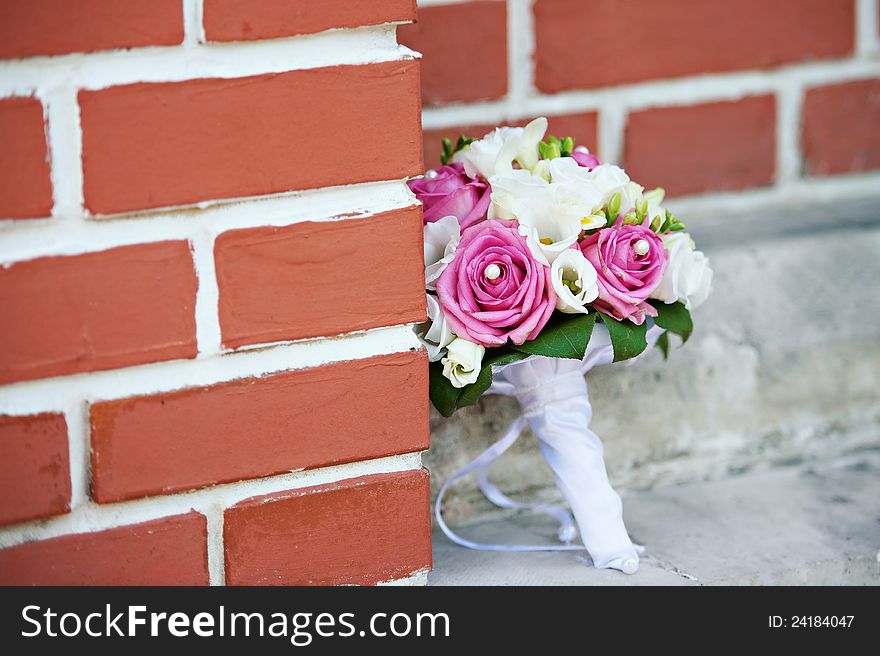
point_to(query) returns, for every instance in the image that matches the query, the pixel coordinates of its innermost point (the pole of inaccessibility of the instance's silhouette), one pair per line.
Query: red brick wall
(699, 96)
(209, 266)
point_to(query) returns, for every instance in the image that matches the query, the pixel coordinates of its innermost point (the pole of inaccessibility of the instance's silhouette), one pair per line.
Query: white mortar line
(802, 191)
(435, 3)
(867, 38)
(656, 93)
(193, 30)
(216, 552)
(64, 142)
(60, 393)
(416, 579)
(208, 336)
(91, 517)
(362, 45)
(789, 160)
(20, 240)
(79, 452)
(520, 48)
(611, 130)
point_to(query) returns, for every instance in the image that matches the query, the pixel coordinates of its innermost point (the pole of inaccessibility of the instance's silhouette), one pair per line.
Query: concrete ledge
(810, 524)
(784, 365)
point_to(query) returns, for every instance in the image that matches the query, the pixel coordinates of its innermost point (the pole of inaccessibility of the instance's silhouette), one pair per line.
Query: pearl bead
(567, 533)
(641, 247)
(492, 272)
(431, 174)
(630, 566)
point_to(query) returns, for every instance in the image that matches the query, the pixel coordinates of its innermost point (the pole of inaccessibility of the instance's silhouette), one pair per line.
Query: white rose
(688, 277)
(496, 152)
(441, 240)
(435, 333)
(574, 280)
(462, 362)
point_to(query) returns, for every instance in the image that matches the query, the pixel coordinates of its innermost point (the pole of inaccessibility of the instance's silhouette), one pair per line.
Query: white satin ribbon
(555, 402)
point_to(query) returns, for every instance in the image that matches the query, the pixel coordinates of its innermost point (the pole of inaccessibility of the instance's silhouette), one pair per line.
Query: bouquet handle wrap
(555, 403)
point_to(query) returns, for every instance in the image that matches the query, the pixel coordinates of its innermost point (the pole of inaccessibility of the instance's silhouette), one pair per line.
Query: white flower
(435, 333)
(688, 277)
(462, 362)
(609, 180)
(496, 152)
(575, 282)
(523, 148)
(479, 158)
(548, 222)
(566, 169)
(584, 196)
(551, 216)
(542, 169)
(516, 185)
(441, 240)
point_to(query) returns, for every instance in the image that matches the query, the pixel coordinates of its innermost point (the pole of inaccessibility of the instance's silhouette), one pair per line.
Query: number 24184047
(810, 621)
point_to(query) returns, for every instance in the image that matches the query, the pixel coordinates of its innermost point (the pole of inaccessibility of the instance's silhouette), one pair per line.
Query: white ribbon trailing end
(556, 405)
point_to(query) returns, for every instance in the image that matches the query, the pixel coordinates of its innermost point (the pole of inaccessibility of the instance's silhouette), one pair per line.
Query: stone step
(816, 523)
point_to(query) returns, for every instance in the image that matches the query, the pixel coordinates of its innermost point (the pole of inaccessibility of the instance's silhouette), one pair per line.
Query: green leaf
(470, 394)
(627, 339)
(566, 337)
(663, 344)
(447, 151)
(674, 317)
(671, 224)
(443, 395)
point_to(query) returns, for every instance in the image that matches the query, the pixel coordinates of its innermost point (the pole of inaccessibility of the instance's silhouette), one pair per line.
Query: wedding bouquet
(540, 263)
(528, 243)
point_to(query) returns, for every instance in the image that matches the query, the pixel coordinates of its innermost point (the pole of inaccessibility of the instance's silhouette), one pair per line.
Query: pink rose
(452, 192)
(494, 289)
(630, 261)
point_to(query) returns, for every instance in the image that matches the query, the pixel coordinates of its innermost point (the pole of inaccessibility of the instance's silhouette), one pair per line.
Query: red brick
(114, 308)
(167, 551)
(297, 281)
(360, 531)
(711, 147)
(56, 27)
(246, 20)
(841, 128)
(593, 43)
(583, 127)
(25, 188)
(260, 426)
(465, 51)
(34, 468)
(160, 144)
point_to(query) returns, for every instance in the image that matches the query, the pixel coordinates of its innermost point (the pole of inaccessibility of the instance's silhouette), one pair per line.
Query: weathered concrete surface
(810, 524)
(784, 366)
